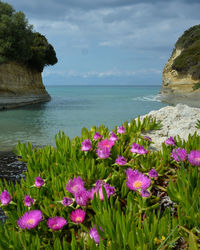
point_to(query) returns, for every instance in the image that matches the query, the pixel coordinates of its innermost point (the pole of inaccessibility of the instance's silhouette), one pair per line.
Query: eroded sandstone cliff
(20, 85)
(174, 81)
(180, 81)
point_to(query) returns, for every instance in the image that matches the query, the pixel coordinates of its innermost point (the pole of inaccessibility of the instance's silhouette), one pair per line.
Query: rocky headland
(181, 74)
(23, 55)
(20, 85)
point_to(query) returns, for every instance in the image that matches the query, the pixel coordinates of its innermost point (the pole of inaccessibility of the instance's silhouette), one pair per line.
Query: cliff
(20, 85)
(181, 74)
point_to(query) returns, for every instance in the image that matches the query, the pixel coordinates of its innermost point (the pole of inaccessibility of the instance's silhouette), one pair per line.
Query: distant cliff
(181, 75)
(23, 55)
(20, 85)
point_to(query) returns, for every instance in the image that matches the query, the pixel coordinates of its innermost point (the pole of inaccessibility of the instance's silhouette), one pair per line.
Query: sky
(125, 42)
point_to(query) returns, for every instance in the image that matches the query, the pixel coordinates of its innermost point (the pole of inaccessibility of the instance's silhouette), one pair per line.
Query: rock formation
(179, 120)
(20, 85)
(181, 73)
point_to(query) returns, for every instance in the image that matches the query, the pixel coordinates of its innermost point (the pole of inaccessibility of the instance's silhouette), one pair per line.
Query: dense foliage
(105, 190)
(189, 59)
(18, 41)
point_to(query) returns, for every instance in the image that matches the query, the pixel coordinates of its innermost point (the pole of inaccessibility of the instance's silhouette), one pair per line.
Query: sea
(72, 108)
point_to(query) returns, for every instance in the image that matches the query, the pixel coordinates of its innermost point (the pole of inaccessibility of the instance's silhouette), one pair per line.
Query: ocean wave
(147, 98)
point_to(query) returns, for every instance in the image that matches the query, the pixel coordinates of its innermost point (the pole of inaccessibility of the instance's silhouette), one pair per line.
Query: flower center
(78, 219)
(75, 188)
(30, 221)
(197, 159)
(137, 184)
(54, 225)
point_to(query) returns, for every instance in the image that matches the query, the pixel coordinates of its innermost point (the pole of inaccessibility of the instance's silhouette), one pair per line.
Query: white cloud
(100, 74)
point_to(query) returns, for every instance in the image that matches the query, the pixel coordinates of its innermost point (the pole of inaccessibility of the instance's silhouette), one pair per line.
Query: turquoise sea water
(74, 107)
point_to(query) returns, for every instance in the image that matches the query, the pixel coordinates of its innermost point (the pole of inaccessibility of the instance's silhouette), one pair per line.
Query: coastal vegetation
(105, 190)
(20, 43)
(189, 59)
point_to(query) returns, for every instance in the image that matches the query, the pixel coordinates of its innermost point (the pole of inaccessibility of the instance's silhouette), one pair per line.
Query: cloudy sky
(109, 41)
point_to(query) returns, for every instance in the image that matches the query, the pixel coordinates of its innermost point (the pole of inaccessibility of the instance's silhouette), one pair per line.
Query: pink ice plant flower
(30, 219)
(39, 182)
(170, 141)
(103, 153)
(130, 173)
(147, 138)
(56, 223)
(121, 130)
(28, 200)
(120, 160)
(75, 185)
(179, 154)
(81, 197)
(67, 201)
(97, 136)
(98, 189)
(138, 149)
(94, 234)
(113, 137)
(78, 216)
(86, 145)
(5, 198)
(194, 157)
(105, 144)
(136, 180)
(153, 173)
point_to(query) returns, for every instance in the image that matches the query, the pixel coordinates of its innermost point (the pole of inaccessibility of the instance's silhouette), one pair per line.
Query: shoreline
(190, 99)
(179, 120)
(12, 102)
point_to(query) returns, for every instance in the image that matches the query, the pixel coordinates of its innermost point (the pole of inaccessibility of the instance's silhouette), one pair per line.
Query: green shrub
(18, 41)
(188, 60)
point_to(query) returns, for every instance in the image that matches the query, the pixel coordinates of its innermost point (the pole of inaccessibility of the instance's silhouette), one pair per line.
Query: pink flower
(39, 182)
(75, 185)
(137, 181)
(179, 154)
(78, 216)
(170, 141)
(67, 201)
(94, 234)
(121, 130)
(113, 137)
(30, 219)
(28, 200)
(144, 193)
(121, 161)
(81, 197)
(98, 189)
(105, 144)
(131, 173)
(103, 153)
(194, 157)
(86, 145)
(56, 223)
(147, 138)
(97, 136)
(153, 173)
(5, 198)
(138, 149)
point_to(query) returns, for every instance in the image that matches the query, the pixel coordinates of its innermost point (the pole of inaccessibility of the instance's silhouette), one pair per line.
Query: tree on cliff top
(189, 59)
(18, 41)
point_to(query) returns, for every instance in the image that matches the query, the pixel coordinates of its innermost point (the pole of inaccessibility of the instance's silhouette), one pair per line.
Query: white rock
(179, 120)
